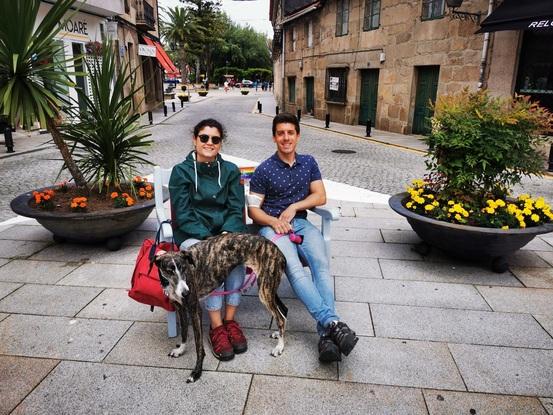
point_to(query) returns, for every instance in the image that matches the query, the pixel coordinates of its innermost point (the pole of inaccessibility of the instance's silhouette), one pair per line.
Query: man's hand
(280, 226)
(288, 214)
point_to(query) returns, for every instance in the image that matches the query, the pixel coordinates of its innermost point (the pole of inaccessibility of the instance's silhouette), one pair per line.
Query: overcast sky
(254, 13)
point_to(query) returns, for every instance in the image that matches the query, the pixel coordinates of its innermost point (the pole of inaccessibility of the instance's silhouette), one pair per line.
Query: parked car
(246, 83)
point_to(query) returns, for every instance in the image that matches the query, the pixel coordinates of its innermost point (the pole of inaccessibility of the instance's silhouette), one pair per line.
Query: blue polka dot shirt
(283, 184)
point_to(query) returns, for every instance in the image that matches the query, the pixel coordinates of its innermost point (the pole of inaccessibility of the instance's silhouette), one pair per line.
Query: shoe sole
(329, 356)
(239, 350)
(222, 357)
(349, 343)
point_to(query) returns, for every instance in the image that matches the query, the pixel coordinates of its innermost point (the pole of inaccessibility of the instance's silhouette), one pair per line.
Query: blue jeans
(234, 281)
(315, 291)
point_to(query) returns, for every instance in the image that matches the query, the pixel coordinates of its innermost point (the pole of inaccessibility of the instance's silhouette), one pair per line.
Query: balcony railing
(145, 15)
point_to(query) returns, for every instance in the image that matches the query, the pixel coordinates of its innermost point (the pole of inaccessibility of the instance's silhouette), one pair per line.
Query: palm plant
(31, 85)
(108, 139)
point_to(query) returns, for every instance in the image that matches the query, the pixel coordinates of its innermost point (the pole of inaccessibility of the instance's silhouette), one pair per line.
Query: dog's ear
(158, 257)
(160, 252)
(187, 257)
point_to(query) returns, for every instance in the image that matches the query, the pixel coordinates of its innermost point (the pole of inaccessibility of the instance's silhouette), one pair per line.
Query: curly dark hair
(209, 122)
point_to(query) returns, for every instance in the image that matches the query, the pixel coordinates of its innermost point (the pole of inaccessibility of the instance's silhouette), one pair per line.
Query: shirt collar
(281, 163)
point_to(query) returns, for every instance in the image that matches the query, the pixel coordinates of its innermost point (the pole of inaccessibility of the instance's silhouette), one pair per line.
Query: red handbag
(145, 285)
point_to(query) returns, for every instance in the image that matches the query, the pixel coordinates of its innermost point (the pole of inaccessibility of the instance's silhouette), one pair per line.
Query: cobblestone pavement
(373, 166)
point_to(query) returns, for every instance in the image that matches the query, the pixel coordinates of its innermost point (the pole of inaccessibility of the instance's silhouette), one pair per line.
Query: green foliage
(228, 70)
(258, 73)
(31, 86)
(108, 141)
(482, 146)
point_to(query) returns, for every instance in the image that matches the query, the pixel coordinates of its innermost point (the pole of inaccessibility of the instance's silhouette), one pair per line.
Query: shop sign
(147, 50)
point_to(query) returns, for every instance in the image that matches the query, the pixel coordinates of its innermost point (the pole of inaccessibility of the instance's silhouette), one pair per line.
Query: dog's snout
(182, 289)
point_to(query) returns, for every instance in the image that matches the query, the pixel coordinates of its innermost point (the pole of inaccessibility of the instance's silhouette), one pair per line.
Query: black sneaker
(343, 336)
(328, 351)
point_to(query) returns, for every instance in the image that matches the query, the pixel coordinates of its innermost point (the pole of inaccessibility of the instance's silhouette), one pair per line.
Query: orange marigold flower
(149, 195)
(137, 179)
(35, 193)
(47, 197)
(149, 187)
(114, 195)
(125, 195)
(130, 201)
(73, 205)
(82, 204)
(37, 199)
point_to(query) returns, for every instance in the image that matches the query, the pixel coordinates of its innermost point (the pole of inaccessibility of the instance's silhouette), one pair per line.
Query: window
(432, 9)
(336, 84)
(371, 20)
(342, 17)
(294, 38)
(292, 90)
(309, 33)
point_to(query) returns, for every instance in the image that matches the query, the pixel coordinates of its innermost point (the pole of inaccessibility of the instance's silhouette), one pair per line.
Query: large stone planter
(468, 242)
(105, 226)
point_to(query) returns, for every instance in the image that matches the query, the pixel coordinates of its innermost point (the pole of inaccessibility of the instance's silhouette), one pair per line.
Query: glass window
(336, 84)
(294, 37)
(371, 19)
(309, 33)
(342, 17)
(432, 9)
(292, 89)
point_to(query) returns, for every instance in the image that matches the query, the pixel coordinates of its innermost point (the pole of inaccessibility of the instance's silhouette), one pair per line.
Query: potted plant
(479, 148)
(183, 97)
(202, 92)
(244, 91)
(107, 142)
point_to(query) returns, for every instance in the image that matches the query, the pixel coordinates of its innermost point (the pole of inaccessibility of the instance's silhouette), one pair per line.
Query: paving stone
(27, 233)
(459, 326)
(444, 272)
(3, 261)
(519, 300)
(546, 322)
(400, 236)
(136, 238)
(547, 404)
(415, 293)
(356, 234)
(355, 267)
(252, 314)
(401, 363)
(59, 337)
(147, 344)
(547, 256)
(258, 358)
(18, 377)
(346, 211)
(39, 272)
(373, 223)
(525, 258)
(15, 249)
(369, 212)
(50, 300)
(548, 237)
(327, 397)
(7, 288)
(537, 244)
(89, 253)
(3, 316)
(115, 304)
(357, 316)
(372, 250)
(103, 388)
(531, 277)
(100, 275)
(461, 403)
(505, 370)
(149, 225)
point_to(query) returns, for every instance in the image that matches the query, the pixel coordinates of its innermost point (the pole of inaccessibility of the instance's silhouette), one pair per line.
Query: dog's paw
(194, 376)
(277, 351)
(275, 335)
(178, 351)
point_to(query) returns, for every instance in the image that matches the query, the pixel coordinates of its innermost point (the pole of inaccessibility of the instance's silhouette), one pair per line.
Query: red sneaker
(236, 337)
(220, 344)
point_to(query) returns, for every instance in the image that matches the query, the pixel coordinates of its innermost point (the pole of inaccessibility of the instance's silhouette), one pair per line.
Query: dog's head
(173, 269)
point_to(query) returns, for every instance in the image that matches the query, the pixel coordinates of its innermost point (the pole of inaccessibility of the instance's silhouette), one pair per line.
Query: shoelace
(234, 331)
(219, 337)
(339, 332)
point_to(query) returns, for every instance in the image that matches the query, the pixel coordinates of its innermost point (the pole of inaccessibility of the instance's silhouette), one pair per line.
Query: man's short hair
(286, 118)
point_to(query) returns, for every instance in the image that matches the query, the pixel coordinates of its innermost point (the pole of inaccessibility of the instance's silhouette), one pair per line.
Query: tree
(32, 87)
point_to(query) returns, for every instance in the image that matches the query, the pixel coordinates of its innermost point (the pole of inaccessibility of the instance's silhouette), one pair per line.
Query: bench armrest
(327, 216)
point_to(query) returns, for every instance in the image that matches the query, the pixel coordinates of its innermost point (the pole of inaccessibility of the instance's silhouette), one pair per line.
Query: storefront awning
(170, 69)
(520, 15)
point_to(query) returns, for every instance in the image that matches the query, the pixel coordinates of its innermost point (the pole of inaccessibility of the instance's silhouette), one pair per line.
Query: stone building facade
(384, 60)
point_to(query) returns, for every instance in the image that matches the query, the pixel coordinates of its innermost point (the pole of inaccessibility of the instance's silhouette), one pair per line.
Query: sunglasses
(204, 138)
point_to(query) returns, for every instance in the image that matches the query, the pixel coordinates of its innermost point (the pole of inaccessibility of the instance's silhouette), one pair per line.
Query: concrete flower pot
(103, 226)
(244, 92)
(202, 93)
(468, 242)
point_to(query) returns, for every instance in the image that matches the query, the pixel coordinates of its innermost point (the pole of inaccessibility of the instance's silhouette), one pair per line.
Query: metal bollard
(173, 105)
(150, 117)
(299, 115)
(181, 103)
(277, 109)
(8, 139)
(327, 121)
(165, 110)
(259, 106)
(550, 168)
(368, 133)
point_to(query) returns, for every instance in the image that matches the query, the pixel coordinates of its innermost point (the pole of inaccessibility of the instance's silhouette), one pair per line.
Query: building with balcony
(383, 61)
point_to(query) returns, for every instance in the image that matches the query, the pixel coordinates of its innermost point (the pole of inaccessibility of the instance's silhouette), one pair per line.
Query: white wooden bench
(163, 212)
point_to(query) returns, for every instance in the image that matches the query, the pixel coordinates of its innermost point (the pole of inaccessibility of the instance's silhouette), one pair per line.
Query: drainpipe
(282, 99)
(485, 50)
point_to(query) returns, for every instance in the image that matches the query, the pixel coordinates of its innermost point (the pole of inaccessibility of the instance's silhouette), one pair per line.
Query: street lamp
(454, 4)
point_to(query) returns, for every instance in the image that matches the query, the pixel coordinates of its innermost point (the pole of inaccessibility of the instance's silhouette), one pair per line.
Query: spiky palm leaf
(109, 141)
(32, 86)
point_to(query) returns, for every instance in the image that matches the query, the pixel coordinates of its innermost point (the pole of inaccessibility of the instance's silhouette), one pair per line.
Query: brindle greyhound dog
(189, 275)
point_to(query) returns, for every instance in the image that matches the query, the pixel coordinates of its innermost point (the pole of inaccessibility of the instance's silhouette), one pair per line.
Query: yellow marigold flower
(522, 224)
(420, 200)
(523, 196)
(428, 208)
(505, 227)
(429, 196)
(511, 208)
(490, 203)
(489, 210)
(540, 203)
(418, 183)
(435, 203)
(465, 214)
(527, 211)
(535, 218)
(458, 217)
(408, 205)
(450, 202)
(500, 203)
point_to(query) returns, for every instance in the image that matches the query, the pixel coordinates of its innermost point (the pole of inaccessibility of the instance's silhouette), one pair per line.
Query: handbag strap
(153, 248)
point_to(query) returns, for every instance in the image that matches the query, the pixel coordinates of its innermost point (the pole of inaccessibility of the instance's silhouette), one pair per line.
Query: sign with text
(147, 50)
(334, 83)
